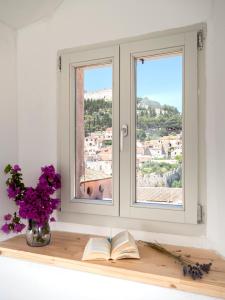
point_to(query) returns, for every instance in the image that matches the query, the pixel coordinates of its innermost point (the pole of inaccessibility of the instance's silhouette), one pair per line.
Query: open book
(121, 246)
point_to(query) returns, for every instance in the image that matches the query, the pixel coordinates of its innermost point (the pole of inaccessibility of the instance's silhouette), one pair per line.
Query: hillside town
(158, 158)
(98, 164)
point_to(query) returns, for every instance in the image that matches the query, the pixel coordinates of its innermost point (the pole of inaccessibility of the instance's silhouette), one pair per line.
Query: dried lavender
(194, 270)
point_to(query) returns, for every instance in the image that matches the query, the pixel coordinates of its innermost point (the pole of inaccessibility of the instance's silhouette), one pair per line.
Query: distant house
(176, 152)
(156, 153)
(108, 134)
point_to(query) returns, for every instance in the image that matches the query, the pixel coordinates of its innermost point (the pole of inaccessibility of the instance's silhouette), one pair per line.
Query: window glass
(159, 148)
(93, 133)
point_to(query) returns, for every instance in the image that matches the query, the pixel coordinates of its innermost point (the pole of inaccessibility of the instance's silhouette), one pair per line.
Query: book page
(119, 240)
(124, 246)
(97, 249)
(126, 254)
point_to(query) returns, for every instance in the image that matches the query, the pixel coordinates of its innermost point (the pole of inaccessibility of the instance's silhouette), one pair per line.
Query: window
(128, 128)
(159, 95)
(88, 131)
(93, 132)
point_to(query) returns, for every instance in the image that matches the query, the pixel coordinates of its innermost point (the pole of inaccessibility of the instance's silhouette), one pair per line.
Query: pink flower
(16, 168)
(5, 228)
(18, 227)
(36, 204)
(7, 217)
(12, 191)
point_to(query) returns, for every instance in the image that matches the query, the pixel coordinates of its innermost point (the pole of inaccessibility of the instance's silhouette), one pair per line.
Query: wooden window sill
(66, 250)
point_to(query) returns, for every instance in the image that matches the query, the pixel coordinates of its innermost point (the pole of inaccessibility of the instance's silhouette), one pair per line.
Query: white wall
(41, 282)
(77, 23)
(8, 111)
(215, 134)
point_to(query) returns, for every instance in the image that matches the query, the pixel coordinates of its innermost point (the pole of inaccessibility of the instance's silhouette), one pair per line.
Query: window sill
(153, 268)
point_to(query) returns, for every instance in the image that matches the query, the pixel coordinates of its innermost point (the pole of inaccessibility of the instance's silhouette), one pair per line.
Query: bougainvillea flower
(36, 204)
(8, 217)
(12, 191)
(18, 227)
(5, 228)
(16, 168)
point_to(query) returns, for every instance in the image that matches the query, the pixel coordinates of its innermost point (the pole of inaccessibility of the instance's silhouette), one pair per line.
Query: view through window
(93, 140)
(159, 129)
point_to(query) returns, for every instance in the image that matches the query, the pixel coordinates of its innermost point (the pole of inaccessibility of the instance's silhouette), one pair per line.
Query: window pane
(94, 132)
(159, 129)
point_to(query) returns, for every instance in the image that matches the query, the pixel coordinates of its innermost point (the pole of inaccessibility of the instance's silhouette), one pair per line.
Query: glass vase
(38, 236)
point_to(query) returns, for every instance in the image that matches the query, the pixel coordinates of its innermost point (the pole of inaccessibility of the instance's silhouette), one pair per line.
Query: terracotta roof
(91, 175)
(160, 194)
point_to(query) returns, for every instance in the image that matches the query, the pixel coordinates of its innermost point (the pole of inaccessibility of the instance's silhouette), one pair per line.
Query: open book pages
(122, 246)
(97, 249)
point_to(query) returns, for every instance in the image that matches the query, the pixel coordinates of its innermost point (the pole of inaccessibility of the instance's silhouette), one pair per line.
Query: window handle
(123, 134)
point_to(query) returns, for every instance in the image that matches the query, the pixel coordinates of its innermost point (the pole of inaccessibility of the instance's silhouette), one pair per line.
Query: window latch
(123, 134)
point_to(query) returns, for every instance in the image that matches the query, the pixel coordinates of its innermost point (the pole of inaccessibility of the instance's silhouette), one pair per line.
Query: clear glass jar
(38, 236)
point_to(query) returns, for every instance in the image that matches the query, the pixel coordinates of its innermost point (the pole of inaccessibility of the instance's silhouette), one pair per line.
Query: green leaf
(8, 168)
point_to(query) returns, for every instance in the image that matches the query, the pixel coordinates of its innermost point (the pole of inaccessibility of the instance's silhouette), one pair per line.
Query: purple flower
(57, 183)
(18, 227)
(12, 191)
(48, 170)
(5, 228)
(49, 178)
(16, 168)
(7, 217)
(36, 204)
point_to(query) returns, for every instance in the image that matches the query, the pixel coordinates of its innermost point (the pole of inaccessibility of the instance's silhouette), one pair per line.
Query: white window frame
(69, 62)
(187, 42)
(123, 209)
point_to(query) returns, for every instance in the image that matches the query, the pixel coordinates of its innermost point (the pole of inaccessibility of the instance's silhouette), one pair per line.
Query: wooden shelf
(66, 250)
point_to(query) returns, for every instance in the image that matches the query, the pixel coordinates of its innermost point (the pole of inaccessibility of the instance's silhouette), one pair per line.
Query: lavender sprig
(189, 268)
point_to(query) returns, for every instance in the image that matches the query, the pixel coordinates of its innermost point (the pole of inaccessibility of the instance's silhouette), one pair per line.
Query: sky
(98, 78)
(159, 79)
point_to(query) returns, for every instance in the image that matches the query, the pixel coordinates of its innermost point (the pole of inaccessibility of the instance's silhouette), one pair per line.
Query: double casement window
(128, 128)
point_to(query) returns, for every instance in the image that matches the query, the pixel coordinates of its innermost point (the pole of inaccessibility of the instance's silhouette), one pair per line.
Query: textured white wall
(8, 110)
